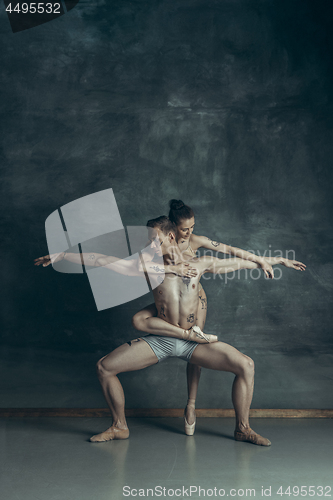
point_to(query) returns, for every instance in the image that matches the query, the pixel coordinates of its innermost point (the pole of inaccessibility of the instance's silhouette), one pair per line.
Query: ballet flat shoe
(251, 437)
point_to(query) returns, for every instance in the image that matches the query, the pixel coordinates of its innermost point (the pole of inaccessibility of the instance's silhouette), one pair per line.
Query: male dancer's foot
(111, 433)
(247, 434)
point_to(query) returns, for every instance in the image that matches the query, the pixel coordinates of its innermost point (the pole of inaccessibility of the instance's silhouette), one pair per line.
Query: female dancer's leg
(224, 357)
(194, 371)
(146, 320)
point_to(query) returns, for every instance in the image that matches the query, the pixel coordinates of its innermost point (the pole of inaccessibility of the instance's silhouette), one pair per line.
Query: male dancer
(176, 300)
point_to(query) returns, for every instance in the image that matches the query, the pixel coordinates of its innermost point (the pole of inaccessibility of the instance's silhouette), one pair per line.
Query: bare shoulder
(205, 242)
(197, 241)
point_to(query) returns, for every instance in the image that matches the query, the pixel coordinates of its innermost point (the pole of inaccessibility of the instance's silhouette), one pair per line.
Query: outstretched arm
(203, 241)
(89, 259)
(121, 266)
(292, 264)
(223, 266)
(93, 259)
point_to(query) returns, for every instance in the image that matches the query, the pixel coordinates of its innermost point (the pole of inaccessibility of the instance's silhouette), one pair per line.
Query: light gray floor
(51, 458)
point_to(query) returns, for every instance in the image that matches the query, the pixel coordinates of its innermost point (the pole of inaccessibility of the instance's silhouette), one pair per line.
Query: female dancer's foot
(189, 417)
(195, 334)
(110, 434)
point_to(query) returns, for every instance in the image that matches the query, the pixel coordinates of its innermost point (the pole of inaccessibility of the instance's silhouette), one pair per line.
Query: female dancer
(150, 321)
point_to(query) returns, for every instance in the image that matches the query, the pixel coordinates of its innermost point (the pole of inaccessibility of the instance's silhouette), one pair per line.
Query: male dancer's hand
(48, 259)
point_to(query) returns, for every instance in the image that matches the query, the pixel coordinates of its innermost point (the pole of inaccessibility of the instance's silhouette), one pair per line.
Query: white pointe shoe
(189, 428)
(199, 335)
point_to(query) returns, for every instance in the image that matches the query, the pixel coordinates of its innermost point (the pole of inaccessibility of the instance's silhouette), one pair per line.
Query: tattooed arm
(132, 267)
(121, 266)
(224, 266)
(89, 259)
(183, 269)
(203, 241)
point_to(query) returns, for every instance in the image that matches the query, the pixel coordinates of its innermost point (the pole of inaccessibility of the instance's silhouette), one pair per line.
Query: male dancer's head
(163, 223)
(162, 234)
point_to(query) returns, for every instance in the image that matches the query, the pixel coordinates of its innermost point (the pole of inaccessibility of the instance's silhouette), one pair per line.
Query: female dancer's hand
(184, 270)
(293, 264)
(47, 259)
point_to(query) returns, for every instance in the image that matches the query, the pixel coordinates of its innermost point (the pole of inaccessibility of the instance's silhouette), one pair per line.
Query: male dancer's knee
(102, 371)
(247, 367)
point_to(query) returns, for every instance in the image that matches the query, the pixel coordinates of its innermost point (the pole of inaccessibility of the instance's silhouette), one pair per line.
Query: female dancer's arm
(203, 241)
(224, 266)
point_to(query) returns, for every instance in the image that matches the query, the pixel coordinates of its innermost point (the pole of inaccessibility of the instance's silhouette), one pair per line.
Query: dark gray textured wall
(225, 104)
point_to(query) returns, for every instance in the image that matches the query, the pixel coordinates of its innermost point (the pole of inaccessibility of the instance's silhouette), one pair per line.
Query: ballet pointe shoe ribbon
(189, 428)
(110, 434)
(251, 437)
(195, 334)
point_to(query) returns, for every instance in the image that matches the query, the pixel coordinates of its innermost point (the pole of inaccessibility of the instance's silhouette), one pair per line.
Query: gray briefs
(170, 347)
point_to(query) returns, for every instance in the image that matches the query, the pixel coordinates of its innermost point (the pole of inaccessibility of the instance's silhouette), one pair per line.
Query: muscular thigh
(134, 355)
(202, 309)
(143, 314)
(219, 356)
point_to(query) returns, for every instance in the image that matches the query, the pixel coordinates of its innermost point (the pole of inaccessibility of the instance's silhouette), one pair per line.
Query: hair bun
(176, 204)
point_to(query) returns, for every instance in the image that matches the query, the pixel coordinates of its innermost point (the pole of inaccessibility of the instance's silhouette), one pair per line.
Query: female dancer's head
(181, 215)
